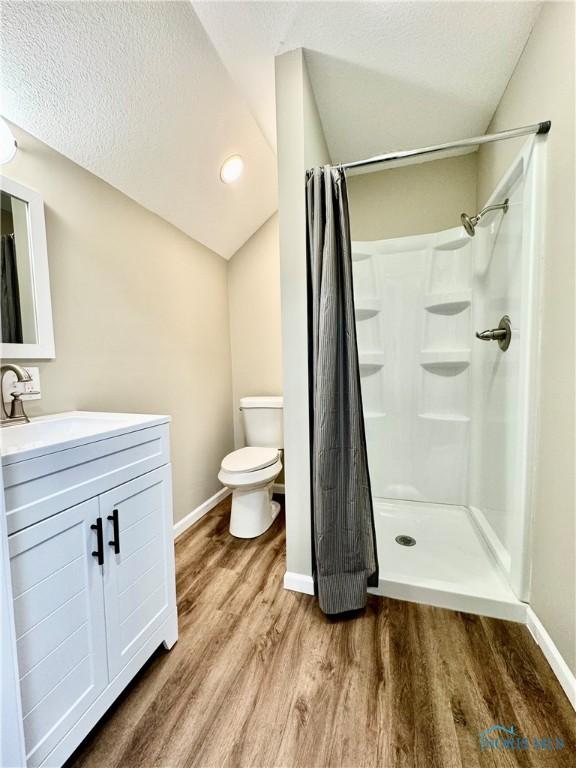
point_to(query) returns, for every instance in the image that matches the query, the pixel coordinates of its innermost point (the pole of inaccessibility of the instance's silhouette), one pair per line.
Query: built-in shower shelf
(371, 361)
(447, 362)
(448, 303)
(444, 417)
(367, 308)
(360, 256)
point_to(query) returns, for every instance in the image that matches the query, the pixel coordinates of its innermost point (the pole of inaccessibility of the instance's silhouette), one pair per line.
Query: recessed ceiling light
(231, 169)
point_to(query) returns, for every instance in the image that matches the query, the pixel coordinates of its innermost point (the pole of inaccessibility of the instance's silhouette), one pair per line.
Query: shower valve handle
(492, 335)
(502, 334)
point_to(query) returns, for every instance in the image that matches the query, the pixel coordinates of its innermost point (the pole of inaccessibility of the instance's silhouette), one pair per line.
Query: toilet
(250, 472)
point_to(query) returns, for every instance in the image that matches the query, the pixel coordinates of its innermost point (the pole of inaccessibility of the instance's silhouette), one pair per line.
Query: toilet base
(253, 512)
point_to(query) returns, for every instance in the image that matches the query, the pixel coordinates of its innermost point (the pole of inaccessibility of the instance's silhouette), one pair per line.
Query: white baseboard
(200, 511)
(298, 582)
(562, 671)
(278, 488)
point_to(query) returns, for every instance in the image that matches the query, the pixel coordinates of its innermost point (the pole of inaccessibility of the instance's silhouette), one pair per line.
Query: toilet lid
(249, 459)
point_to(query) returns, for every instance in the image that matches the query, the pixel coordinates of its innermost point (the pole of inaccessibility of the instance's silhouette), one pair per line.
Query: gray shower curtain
(11, 316)
(344, 541)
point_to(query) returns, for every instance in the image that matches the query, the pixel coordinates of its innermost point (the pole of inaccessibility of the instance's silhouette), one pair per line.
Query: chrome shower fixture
(469, 222)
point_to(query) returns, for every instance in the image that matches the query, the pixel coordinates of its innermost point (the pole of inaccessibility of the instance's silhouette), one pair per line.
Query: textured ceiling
(135, 93)
(152, 96)
(386, 75)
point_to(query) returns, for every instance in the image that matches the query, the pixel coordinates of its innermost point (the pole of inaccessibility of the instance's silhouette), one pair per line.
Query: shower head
(469, 222)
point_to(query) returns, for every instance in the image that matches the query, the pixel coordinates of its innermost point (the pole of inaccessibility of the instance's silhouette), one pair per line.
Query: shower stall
(449, 411)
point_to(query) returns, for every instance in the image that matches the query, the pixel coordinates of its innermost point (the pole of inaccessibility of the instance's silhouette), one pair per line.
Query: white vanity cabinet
(60, 624)
(93, 581)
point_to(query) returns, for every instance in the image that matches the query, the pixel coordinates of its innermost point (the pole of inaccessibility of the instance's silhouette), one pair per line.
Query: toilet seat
(252, 479)
(250, 459)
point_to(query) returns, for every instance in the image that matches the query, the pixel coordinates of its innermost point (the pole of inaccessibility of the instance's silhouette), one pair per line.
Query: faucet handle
(491, 335)
(18, 393)
(502, 334)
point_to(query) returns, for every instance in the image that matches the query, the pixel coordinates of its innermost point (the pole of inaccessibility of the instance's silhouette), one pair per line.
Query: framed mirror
(26, 309)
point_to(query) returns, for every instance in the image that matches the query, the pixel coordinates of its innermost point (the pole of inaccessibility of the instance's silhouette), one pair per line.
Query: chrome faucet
(17, 414)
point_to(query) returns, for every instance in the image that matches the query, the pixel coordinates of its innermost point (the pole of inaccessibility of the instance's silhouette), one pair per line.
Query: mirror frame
(44, 348)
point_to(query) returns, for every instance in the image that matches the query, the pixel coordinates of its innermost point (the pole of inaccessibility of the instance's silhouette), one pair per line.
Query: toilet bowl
(250, 472)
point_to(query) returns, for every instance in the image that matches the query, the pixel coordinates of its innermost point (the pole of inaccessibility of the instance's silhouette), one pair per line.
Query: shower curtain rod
(406, 153)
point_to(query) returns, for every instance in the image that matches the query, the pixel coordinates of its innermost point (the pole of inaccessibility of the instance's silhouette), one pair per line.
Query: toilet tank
(263, 421)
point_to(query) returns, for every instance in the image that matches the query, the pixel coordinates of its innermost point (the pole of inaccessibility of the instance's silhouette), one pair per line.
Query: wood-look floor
(260, 678)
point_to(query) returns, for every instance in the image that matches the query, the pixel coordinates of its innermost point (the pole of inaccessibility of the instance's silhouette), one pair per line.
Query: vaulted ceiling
(153, 96)
(386, 75)
(136, 93)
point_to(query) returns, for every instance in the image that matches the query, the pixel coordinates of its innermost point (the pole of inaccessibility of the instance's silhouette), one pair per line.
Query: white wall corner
(565, 676)
(199, 512)
(301, 145)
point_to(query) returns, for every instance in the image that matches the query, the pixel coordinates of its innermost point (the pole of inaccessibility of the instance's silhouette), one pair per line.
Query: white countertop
(61, 431)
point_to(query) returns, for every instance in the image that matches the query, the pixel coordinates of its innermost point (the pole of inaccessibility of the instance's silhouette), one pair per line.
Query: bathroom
(171, 294)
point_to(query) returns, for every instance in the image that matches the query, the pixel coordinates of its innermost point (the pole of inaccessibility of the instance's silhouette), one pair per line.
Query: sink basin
(66, 430)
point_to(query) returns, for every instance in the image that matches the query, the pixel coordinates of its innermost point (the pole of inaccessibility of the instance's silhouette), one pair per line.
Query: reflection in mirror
(18, 316)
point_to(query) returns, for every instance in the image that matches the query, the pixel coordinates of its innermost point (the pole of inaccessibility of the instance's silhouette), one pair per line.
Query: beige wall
(542, 88)
(140, 317)
(413, 200)
(255, 321)
(301, 145)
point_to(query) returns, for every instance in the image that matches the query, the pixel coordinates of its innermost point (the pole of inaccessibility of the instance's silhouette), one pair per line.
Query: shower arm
(494, 207)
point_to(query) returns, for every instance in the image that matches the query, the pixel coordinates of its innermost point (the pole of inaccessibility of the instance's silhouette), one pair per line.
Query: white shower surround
(450, 420)
(415, 363)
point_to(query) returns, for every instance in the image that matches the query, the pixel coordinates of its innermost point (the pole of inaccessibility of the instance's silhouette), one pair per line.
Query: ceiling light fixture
(231, 169)
(8, 144)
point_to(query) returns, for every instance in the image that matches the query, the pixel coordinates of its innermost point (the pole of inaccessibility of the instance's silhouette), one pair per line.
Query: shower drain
(405, 541)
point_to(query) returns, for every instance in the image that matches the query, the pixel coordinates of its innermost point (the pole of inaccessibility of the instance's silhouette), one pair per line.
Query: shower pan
(449, 407)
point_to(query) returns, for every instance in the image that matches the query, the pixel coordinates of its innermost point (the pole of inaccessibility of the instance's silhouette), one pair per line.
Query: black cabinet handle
(116, 540)
(99, 553)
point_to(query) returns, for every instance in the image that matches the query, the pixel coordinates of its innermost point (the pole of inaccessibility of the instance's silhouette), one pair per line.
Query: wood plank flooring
(260, 678)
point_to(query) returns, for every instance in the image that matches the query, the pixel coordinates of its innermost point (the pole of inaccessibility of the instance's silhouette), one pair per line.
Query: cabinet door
(138, 575)
(60, 627)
